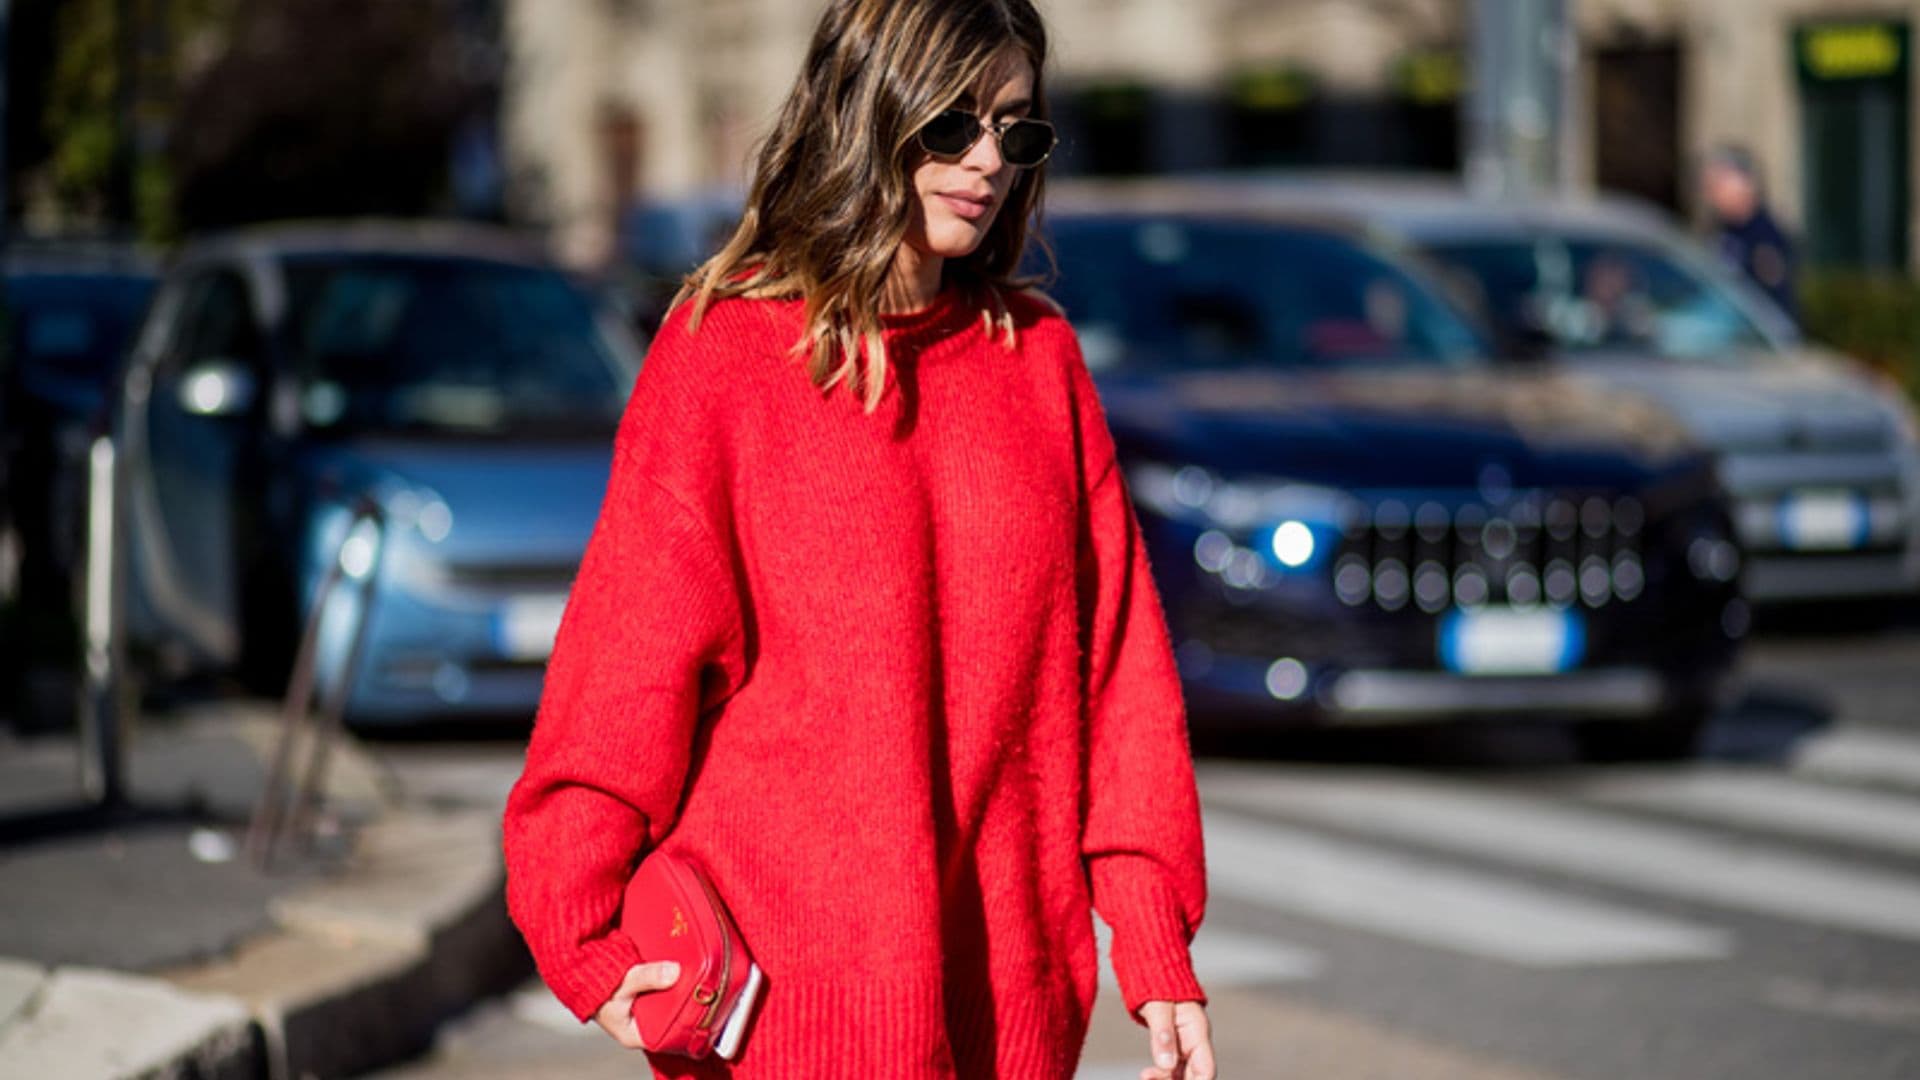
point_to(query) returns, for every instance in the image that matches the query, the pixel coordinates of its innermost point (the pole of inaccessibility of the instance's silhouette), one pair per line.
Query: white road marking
(1861, 755)
(1770, 802)
(1665, 860)
(1225, 957)
(535, 1004)
(1111, 1072)
(1422, 901)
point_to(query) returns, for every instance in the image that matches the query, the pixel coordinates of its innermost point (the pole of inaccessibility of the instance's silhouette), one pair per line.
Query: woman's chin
(958, 239)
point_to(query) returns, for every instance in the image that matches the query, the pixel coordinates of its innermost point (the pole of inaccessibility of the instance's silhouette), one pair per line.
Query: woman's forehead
(1009, 77)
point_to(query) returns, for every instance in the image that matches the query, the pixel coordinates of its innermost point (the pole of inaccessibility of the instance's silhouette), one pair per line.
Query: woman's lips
(966, 206)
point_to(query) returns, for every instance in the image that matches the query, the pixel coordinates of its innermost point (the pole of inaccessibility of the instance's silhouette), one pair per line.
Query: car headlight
(422, 510)
(403, 546)
(1253, 528)
(360, 551)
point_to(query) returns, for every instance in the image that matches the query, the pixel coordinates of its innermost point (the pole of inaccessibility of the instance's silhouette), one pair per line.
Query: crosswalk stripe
(1769, 801)
(1862, 756)
(1667, 860)
(535, 1004)
(1418, 900)
(1225, 957)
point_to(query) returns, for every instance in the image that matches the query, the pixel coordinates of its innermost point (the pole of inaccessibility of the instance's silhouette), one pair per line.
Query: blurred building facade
(609, 99)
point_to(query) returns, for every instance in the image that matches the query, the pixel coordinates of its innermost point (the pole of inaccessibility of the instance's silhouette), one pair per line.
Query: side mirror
(217, 387)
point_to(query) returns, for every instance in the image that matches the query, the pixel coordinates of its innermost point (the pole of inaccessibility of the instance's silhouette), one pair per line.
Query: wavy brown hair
(832, 193)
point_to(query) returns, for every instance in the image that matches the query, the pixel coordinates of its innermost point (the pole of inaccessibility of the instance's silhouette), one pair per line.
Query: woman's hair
(832, 194)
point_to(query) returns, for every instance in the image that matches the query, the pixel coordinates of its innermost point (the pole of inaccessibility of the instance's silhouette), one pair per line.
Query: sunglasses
(1024, 143)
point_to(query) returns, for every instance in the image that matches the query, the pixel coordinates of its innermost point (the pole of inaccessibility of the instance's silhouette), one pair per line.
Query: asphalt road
(1480, 904)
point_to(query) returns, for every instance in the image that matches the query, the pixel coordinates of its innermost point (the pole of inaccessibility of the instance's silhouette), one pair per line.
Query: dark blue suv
(1356, 517)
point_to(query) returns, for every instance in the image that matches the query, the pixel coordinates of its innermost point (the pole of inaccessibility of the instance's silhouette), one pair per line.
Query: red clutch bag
(672, 912)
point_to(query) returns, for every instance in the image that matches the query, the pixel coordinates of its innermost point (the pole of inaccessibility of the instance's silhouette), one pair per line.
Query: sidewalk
(143, 943)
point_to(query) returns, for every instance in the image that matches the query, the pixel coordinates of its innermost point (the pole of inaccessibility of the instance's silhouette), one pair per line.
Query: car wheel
(1673, 736)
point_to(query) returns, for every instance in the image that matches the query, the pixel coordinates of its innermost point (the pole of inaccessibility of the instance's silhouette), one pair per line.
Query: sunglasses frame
(981, 127)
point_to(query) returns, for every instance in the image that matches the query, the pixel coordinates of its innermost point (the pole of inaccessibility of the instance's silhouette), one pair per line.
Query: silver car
(1820, 453)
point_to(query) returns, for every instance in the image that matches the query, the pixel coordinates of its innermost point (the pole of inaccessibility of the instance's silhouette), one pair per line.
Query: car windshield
(454, 344)
(1587, 294)
(77, 324)
(1156, 293)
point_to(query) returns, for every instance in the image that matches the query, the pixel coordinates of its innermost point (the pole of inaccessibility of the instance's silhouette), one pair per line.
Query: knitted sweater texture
(900, 680)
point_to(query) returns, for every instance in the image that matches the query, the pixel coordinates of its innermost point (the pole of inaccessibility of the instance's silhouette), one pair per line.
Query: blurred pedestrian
(866, 624)
(1744, 227)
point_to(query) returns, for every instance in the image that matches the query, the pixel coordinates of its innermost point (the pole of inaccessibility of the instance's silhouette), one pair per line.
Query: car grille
(1430, 554)
(1246, 630)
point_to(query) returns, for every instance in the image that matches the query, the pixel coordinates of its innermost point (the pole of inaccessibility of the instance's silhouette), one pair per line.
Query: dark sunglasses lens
(1027, 142)
(950, 133)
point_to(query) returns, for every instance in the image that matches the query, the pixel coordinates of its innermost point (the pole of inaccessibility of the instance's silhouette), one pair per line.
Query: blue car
(449, 375)
(1356, 517)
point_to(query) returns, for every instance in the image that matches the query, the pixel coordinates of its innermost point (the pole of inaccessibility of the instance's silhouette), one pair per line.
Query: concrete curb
(359, 970)
(84, 1022)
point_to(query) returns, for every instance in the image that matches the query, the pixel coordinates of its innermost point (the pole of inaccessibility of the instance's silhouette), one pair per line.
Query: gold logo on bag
(679, 924)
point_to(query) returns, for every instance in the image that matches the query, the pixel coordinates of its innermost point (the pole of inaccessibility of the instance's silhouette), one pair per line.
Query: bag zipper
(726, 953)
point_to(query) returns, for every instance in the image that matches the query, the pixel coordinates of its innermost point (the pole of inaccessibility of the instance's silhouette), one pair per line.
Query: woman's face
(957, 199)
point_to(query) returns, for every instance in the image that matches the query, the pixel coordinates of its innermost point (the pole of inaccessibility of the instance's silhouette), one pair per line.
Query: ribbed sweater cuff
(1151, 960)
(597, 970)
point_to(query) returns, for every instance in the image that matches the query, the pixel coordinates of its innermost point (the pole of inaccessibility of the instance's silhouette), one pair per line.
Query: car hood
(520, 502)
(1396, 429)
(1799, 399)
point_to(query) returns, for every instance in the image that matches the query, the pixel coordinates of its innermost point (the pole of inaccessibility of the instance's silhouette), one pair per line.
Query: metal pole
(120, 194)
(1516, 122)
(5, 77)
(104, 688)
(285, 795)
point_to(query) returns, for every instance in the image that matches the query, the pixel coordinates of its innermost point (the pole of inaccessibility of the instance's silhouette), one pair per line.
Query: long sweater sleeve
(1142, 838)
(650, 640)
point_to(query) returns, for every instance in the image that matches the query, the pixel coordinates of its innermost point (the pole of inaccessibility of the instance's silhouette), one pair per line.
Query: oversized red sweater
(901, 681)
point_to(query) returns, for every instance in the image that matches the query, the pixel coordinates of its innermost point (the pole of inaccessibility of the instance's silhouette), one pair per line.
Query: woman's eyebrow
(1017, 105)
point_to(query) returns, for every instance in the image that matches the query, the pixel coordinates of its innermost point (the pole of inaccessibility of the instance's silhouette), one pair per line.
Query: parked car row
(1400, 455)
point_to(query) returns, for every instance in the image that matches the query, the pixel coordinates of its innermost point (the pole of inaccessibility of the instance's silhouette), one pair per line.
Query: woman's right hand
(616, 1016)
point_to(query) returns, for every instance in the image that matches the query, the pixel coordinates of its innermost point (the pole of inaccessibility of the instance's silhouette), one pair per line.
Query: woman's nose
(985, 154)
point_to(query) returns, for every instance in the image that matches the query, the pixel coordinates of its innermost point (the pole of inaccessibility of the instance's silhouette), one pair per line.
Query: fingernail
(669, 969)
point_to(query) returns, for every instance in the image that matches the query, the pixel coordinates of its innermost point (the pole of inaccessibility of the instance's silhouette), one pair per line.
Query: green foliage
(1873, 317)
(154, 207)
(83, 104)
(81, 118)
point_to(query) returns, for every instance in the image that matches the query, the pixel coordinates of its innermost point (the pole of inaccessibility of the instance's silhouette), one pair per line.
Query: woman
(866, 624)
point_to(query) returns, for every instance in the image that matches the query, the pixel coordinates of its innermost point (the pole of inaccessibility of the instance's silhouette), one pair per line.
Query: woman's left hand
(1180, 1039)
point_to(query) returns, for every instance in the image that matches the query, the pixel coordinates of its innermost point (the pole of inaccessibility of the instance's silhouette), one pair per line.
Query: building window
(1636, 121)
(1856, 141)
(1115, 128)
(1269, 118)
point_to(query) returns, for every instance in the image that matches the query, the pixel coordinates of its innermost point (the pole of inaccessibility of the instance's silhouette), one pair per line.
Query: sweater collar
(951, 309)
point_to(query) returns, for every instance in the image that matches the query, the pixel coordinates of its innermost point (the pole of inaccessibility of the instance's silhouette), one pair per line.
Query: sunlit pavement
(1479, 904)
